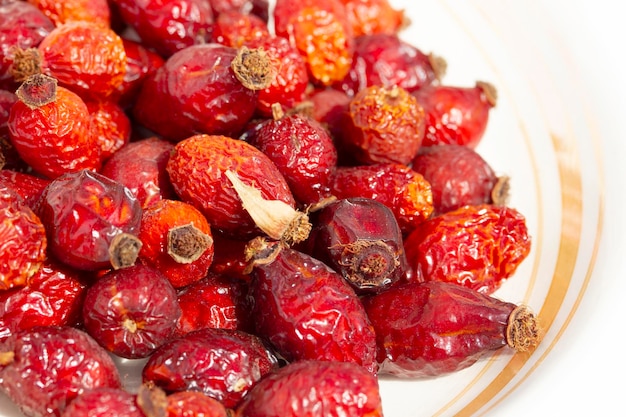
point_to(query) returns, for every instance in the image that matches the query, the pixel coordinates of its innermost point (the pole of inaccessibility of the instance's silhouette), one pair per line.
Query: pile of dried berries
(270, 216)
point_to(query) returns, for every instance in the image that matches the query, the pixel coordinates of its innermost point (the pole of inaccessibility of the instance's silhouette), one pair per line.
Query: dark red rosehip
(104, 402)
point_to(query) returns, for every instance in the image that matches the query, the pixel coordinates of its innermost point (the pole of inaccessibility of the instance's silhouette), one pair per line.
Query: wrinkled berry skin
(360, 238)
(43, 369)
(435, 328)
(29, 187)
(53, 297)
(315, 389)
(458, 176)
(131, 311)
(83, 212)
(474, 246)
(196, 169)
(386, 60)
(223, 364)
(195, 91)
(104, 402)
(194, 404)
(308, 311)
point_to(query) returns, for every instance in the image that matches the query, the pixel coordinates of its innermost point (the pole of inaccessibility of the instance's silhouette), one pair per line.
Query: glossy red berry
(132, 311)
(456, 115)
(194, 404)
(29, 187)
(104, 402)
(43, 369)
(310, 388)
(459, 176)
(24, 241)
(96, 11)
(110, 126)
(140, 166)
(223, 364)
(236, 29)
(91, 221)
(50, 129)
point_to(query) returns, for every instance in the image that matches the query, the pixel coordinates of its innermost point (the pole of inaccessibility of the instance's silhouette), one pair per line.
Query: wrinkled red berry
(234, 28)
(194, 404)
(43, 369)
(29, 187)
(312, 388)
(110, 126)
(104, 402)
(131, 311)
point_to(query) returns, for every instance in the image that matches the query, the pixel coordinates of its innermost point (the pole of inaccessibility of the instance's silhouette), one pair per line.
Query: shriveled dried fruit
(236, 29)
(132, 311)
(96, 11)
(194, 404)
(43, 369)
(29, 187)
(223, 364)
(177, 240)
(110, 126)
(104, 402)
(91, 221)
(474, 246)
(312, 388)
(49, 128)
(369, 17)
(23, 240)
(447, 328)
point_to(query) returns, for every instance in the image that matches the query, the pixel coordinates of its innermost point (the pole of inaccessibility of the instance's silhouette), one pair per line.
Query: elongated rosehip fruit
(435, 328)
(131, 311)
(314, 388)
(43, 369)
(360, 238)
(91, 221)
(223, 364)
(474, 246)
(456, 115)
(307, 310)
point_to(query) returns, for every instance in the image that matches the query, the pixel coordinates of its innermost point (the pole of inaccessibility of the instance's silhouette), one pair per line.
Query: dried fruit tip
(260, 251)
(522, 331)
(253, 68)
(152, 400)
(26, 63)
(38, 90)
(123, 250)
(370, 264)
(6, 358)
(490, 91)
(439, 64)
(187, 243)
(275, 218)
(500, 191)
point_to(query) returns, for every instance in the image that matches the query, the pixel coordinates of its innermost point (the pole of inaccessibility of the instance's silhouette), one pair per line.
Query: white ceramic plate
(557, 132)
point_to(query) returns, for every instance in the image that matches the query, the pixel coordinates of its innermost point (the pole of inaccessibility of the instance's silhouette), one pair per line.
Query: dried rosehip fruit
(104, 402)
(168, 25)
(53, 297)
(236, 29)
(209, 88)
(447, 328)
(214, 301)
(474, 246)
(29, 187)
(459, 176)
(400, 188)
(91, 221)
(83, 56)
(24, 241)
(131, 311)
(140, 166)
(96, 11)
(456, 115)
(311, 388)
(43, 369)
(7, 100)
(229, 258)
(110, 126)
(197, 170)
(306, 310)
(368, 17)
(303, 152)
(360, 238)
(328, 108)
(386, 60)
(49, 128)
(221, 363)
(177, 240)
(320, 30)
(22, 26)
(288, 88)
(194, 404)
(382, 125)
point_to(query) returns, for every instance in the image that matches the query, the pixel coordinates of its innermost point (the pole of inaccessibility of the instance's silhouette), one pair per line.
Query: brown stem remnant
(490, 91)
(522, 332)
(187, 243)
(123, 250)
(500, 191)
(253, 68)
(26, 63)
(38, 90)
(369, 264)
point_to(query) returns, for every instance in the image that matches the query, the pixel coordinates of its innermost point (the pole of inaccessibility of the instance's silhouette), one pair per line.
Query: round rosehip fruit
(308, 387)
(91, 221)
(50, 129)
(176, 239)
(131, 311)
(72, 10)
(104, 402)
(140, 166)
(110, 126)
(24, 241)
(43, 369)
(236, 28)
(223, 364)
